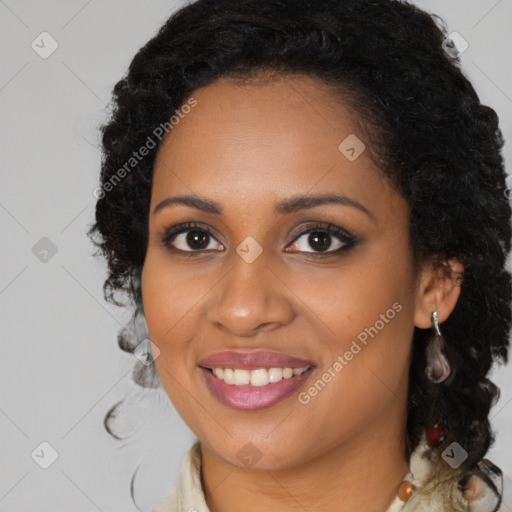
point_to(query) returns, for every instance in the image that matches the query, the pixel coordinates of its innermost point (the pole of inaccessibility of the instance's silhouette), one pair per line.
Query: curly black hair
(434, 140)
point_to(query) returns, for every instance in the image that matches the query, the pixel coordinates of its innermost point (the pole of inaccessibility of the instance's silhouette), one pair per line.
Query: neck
(363, 473)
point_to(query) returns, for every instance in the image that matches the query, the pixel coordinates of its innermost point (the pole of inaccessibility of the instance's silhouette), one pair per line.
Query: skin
(246, 147)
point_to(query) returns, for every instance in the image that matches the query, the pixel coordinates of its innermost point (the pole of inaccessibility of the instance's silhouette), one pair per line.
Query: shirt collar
(432, 488)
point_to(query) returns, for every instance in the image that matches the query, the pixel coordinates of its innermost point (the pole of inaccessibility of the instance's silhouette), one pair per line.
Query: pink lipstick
(253, 380)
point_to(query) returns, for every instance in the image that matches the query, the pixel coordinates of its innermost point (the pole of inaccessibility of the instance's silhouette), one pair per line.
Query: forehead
(260, 142)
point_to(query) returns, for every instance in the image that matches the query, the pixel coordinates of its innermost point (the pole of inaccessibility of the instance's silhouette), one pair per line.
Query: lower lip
(250, 398)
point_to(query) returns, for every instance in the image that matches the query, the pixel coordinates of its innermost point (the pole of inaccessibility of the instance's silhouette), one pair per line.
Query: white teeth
(287, 373)
(258, 377)
(228, 376)
(275, 374)
(241, 377)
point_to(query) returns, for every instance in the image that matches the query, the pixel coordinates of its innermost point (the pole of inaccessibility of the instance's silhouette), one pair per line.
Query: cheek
(167, 297)
(369, 293)
(365, 374)
(368, 307)
(157, 298)
(174, 311)
(164, 305)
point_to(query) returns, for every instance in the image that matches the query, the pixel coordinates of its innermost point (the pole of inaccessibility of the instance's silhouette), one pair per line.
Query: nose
(250, 298)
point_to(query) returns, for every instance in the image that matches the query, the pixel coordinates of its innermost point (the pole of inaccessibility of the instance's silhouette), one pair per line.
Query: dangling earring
(438, 368)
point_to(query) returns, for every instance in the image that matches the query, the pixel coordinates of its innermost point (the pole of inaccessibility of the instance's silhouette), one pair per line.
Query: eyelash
(346, 238)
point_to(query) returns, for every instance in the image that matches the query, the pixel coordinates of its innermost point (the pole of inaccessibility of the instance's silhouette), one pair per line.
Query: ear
(437, 290)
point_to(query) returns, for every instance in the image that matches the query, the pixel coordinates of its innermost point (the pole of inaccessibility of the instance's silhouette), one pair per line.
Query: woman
(306, 202)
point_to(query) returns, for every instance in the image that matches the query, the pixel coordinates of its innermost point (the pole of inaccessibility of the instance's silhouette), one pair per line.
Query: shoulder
(170, 504)
(188, 494)
(436, 484)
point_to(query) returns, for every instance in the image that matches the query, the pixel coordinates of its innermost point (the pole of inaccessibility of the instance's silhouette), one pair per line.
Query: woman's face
(260, 286)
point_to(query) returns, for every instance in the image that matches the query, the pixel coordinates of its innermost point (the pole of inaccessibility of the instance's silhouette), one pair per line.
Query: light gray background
(61, 368)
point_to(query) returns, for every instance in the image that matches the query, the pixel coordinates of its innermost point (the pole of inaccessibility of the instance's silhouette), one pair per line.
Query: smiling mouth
(254, 389)
(256, 377)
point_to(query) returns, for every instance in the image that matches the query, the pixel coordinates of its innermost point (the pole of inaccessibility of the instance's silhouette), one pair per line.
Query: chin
(264, 455)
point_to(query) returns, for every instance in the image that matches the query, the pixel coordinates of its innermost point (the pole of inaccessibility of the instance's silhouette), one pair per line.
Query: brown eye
(319, 241)
(189, 238)
(197, 239)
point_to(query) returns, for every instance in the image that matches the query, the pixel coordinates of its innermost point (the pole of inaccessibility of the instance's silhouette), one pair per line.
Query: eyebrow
(283, 207)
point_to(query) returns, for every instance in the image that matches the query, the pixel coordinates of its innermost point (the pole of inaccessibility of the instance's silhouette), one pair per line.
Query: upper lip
(251, 360)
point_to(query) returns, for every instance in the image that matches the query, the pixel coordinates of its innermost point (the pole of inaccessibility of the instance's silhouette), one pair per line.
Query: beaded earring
(438, 368)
